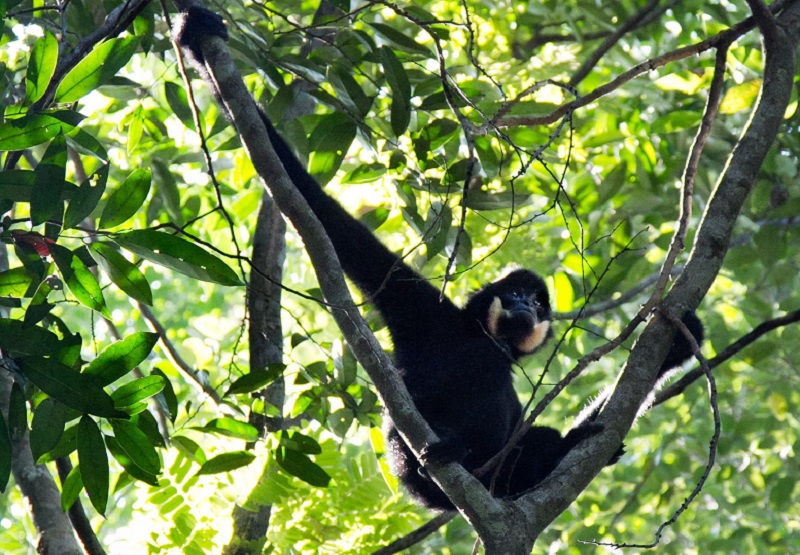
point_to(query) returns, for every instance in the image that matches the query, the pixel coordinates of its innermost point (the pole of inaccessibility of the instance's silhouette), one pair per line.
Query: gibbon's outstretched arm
(409, 304)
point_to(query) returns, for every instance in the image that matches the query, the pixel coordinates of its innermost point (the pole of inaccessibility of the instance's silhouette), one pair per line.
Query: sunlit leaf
(15, 282)
(121, 357)
(29, 131)
(231, 427)
(96, 69)
(72, 488)
(178, 254)
(79, 279)
(41, 66)
(137, 390)
(122, 272)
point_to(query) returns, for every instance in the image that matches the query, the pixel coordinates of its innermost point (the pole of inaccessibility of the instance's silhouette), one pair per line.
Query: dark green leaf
(349, 91)
(167, 395)
(17, 413)
(72, 488)
(41, 66)
(179, 255)
(29, 131)
(96, 69)
(121, 357)
(226, 462)
(93, 462)
(17, 338)
(256, 379)
(190, 448)
(179, 103)
(66, 445)
(298, 464)
(328, 145)
(47, 427)
(46, 202)
(123, 273)
(123, 458)
(401, 40)
(136, 391)
(69, 386)
(125, 201)
(401, 90)
(79, 279)
(231, 427)
(85, 199)
(136, 446)
(300, 442)
(5, 454)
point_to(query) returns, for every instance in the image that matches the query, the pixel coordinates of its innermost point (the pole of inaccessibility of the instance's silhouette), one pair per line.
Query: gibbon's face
(519, 312)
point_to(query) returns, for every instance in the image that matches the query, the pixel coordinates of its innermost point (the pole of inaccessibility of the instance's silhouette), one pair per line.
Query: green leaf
(179, 103)
(66, 445)
(298, 464)
(122, 272)
(401, 90)
(15, 282)
(190, 448)
(47, 427)
(179, 255)
(5, 454)
(226, 462)
(69, 386)
(86, 197)
(256, 379)
(123, 458)
(19, 339)
(72, 488)
(365, 173)
(167, 395)
(348, 90)
(300, 442)
(137, 391)
(121, 357)
(41, 66)
(136, 446)
(401, 40)
(125, 201)
(46, 202)
(80, 281)
(328, 144)
(93, 462)
(28, 131)
(96, 69)
(231, 427)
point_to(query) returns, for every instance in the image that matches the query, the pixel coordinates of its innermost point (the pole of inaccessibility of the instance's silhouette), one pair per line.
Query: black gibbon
(456, 362)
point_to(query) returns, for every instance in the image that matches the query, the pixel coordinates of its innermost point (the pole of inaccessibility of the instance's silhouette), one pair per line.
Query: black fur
(455, 362)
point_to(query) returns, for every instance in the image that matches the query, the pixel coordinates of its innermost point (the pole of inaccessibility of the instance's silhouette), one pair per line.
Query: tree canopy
(180, 372)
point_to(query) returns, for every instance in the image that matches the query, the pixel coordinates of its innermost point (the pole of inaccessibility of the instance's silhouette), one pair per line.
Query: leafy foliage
(114, 229)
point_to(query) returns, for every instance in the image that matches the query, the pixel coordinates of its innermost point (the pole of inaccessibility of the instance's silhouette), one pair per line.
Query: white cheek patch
(535, 338)
(493, 318)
